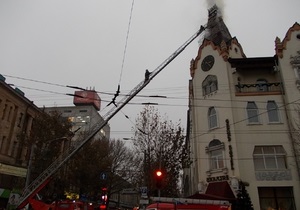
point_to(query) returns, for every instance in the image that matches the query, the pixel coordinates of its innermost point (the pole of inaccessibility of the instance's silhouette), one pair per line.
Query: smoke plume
(220, 4)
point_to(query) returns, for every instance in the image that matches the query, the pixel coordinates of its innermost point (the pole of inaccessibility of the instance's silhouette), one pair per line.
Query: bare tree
(81, 174)
(110, 158)
(49, 134)
(163, 145)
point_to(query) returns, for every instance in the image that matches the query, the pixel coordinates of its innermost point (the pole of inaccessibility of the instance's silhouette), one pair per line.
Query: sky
(46, 45)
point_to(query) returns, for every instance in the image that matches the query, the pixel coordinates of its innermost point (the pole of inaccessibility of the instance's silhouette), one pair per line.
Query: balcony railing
(259, 89)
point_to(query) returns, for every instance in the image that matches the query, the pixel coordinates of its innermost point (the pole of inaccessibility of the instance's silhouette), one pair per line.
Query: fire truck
(46, 176)
(61, 205)
(163, 203)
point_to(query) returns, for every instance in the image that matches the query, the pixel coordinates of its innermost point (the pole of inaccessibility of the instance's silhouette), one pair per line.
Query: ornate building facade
(244, 120)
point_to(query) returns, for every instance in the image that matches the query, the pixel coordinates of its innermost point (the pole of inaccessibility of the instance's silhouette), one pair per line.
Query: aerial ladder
(43, 179)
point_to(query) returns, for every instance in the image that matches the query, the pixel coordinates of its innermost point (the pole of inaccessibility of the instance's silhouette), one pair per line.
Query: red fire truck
(61, 205)
(188, 204)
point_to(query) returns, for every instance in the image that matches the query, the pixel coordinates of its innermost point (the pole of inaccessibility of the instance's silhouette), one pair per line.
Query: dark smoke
(219, 3)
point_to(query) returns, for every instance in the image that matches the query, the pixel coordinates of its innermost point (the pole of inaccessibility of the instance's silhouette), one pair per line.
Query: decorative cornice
(236, 42)
(280, 46)
(223, 51)
(192, 68)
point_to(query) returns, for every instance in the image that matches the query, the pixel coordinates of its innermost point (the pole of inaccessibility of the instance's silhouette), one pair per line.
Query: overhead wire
(48, 83)
(245, 119)
(113, 101)
(161, 104)
(126, 41)
(147, 96)
(160, 90)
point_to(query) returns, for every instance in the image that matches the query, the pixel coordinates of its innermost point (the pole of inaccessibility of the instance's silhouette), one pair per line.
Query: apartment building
(16, 116)
(244, 119)
(84, 114)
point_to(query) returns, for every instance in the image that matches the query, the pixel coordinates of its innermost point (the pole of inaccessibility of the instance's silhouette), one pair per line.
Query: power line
(160, 90)
(151, 96)
(126, 41)
(245, 119)
(139, 103)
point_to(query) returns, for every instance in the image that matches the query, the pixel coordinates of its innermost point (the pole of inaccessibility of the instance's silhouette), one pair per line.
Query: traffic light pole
(158, 190)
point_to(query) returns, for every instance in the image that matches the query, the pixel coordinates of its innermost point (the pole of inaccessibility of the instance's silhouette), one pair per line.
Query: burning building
(243, 121)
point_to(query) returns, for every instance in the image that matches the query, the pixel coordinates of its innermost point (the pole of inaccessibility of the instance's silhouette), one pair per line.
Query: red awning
(220, 189)
(216, 191)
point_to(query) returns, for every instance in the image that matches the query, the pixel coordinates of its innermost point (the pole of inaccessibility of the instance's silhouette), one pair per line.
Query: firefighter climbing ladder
(43, 179)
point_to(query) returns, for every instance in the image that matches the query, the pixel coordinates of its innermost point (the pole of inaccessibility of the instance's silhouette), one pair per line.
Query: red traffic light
(158, 179)
(158, 173)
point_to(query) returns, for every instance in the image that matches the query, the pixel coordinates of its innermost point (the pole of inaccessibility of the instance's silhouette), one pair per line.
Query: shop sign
(12, 170)
(217, 178)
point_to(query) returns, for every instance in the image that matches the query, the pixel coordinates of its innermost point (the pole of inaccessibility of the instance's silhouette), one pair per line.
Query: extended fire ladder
(45, 177)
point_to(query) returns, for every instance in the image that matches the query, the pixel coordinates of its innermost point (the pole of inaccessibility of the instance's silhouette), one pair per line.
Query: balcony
(258, 89)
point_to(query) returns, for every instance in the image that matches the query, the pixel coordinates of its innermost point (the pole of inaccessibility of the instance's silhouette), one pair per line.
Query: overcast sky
(82, 43)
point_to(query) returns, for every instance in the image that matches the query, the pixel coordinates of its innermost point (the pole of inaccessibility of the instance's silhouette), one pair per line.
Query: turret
(216, 28)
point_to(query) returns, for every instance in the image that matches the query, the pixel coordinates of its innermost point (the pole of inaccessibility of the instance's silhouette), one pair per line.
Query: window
(9, 113)
(14, 149)
(209, 85)
(272, 111)
(269, 158)
(212, 118)
(4, 111)
(20, 119)
(64, 205)
(216, 159)
(276, 198)
(297, 69)
(2, 144)
(216, 156)
(262, 85)
(252, 113)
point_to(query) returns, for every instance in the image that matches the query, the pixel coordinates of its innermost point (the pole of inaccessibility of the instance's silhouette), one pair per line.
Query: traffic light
(103, 195)
(158, 179)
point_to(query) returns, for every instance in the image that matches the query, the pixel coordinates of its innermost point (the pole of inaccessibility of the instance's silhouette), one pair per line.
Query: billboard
(87, 97)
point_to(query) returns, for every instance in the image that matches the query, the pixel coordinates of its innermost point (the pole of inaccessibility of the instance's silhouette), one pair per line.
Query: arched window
(209, 84)
(216, 154)
(262, 85)
(273, 113)
(212, 118)
(252, 112)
